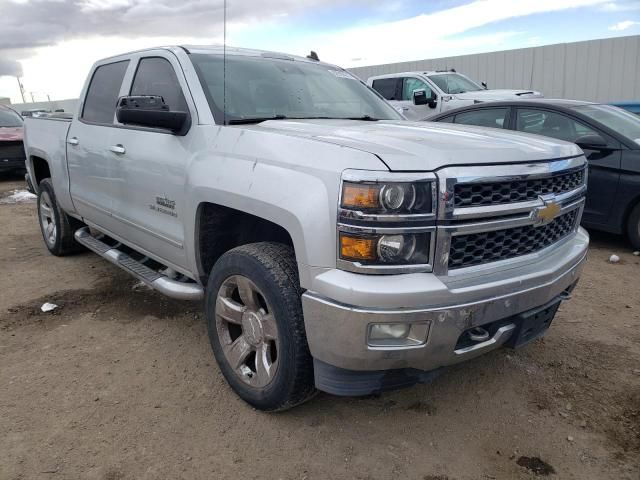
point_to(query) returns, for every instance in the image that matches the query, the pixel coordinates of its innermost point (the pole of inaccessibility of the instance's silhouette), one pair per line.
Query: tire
(56, 226)
(256, 327)
(633, 227)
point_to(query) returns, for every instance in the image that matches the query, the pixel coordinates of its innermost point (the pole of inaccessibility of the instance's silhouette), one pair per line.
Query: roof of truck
(220, 49)
(417, 72)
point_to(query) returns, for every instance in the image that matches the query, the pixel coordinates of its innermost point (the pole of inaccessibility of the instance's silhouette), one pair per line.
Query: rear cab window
(103, 92)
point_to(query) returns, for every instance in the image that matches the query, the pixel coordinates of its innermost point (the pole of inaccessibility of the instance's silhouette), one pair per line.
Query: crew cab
(418, 95)
(336, 245)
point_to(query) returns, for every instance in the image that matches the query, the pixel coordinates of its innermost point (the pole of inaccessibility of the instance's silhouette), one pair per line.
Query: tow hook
(478, 334)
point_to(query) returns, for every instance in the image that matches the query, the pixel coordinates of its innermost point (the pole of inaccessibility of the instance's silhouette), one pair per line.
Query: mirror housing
(591, 142)
(484, 85)
(420, 98)
(151, 111)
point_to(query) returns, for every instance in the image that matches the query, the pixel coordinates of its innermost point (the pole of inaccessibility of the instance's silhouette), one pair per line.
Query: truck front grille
(498, 193)
(12, 150)
(479, 248)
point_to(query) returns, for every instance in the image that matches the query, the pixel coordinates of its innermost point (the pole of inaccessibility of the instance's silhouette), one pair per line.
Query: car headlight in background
(386, 221)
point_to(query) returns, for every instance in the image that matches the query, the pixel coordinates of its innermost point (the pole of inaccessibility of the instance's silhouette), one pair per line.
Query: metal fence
(604, 70)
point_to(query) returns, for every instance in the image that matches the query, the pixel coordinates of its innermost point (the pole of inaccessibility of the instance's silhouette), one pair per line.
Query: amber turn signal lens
(357, 248)
(360, 196)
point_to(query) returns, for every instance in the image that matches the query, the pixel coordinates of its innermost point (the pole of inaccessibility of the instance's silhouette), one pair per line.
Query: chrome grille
(498, 193)
(12, 150)
(478, 248)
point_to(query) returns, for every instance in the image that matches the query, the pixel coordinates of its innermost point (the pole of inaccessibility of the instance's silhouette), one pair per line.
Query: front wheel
(633, 227)
(256, 327)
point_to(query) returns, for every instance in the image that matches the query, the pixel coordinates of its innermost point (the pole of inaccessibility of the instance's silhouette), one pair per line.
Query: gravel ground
(120, 383)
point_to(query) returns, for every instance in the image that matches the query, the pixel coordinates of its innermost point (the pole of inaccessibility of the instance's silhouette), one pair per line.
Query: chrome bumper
(337, 328)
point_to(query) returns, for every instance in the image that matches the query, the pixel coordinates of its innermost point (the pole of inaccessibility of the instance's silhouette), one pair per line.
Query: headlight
(388, 198)
(386, 222)
(400, 249)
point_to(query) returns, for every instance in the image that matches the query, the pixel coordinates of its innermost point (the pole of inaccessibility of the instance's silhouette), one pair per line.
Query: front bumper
(340, 307)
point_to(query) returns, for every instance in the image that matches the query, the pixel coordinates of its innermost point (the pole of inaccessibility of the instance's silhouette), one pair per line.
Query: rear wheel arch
(41, 169)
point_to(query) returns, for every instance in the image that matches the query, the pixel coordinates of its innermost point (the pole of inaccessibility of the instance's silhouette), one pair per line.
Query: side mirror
(420, 97)
(591, 142)
(484, 85)
(151, 111)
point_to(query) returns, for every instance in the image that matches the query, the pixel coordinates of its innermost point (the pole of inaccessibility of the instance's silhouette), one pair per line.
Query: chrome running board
(156, 280)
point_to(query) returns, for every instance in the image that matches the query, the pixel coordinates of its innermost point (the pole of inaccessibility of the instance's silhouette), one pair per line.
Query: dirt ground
(120, 383)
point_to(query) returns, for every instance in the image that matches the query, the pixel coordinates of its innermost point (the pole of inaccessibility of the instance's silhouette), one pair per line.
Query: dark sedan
(11, 148)
(609, 136)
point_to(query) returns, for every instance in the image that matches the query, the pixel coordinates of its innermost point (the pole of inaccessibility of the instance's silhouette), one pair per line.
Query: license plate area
(532, 324)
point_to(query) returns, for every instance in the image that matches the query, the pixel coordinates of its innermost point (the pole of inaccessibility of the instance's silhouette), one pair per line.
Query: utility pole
(21, 89)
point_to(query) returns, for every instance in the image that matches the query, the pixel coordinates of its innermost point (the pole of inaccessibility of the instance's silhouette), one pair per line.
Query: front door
(150, 205)
(408, 108)
(93, 170)
(604, 164)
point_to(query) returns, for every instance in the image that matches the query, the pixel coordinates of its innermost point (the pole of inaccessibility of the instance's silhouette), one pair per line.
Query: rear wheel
(56, 226)
(633, 227)
(256, 328)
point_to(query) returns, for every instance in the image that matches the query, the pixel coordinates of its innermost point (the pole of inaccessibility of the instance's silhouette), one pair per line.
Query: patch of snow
(48, 307)
(18, 196)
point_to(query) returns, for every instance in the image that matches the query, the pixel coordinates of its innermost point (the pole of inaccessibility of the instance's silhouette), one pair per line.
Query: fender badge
(546, 213)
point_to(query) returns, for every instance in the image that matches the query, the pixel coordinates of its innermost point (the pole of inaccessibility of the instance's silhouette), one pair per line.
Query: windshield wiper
(365, 118)
(245, 121)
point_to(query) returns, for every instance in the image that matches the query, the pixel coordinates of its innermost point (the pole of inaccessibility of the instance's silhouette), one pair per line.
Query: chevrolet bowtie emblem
(546, 213)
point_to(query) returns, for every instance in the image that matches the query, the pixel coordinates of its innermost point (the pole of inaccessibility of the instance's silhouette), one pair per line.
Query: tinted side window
(448, 119)
(550, 124)
(388, 88)
(102, 95)
(485, 117)
(410, 85)
(156, 76)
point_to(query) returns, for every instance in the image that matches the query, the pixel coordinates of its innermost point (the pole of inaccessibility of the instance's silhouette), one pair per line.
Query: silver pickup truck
(337, 246)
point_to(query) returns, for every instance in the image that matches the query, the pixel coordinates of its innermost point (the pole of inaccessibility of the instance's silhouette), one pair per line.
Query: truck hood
(495, 95)
(10, 134)
(425, 146)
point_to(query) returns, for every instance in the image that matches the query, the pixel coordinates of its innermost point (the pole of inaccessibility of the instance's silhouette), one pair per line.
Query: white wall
(68, 105)
(597, 70)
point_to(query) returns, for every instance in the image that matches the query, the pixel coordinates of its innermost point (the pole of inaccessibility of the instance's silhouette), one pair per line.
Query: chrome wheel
(47, 219)
(247, 331)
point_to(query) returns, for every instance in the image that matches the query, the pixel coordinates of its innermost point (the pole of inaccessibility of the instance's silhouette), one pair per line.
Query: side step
(162, 283)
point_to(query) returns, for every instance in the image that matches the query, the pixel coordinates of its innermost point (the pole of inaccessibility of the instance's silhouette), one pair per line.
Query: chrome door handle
(73, 141)
(119, 149)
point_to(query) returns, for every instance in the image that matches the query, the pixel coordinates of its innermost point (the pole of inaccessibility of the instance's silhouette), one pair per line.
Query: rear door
(390, 89)
(150, 204)
(92, 168)
(604, 164)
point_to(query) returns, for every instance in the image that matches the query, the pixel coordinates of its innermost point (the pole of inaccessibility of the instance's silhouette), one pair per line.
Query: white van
(418, 95)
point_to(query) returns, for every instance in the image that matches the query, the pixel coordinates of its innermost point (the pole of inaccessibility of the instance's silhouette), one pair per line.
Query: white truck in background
(337, 246)
(419, 95)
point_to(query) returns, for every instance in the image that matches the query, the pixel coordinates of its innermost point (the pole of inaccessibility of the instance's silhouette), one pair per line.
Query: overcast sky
(52, 43)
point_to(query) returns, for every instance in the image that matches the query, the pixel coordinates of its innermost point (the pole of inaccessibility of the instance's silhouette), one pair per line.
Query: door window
(484, 117)
(156, 76)
(389, 88)
(102, 95)
(551, 124)
(410, 85)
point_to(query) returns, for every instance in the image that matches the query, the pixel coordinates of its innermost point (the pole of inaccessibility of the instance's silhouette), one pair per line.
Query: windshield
(263, 88)
(454, 83)
(9, 118)
(617, 119)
